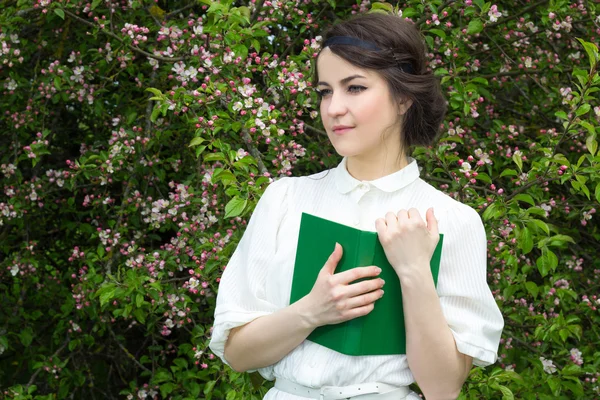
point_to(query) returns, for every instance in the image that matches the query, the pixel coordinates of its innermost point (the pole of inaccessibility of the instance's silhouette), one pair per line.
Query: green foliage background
(136, 137)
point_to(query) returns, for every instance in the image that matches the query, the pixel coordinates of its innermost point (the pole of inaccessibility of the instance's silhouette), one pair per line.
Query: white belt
(366, 391)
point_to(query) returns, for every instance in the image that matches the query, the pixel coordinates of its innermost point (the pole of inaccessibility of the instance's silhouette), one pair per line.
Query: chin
(344, 151)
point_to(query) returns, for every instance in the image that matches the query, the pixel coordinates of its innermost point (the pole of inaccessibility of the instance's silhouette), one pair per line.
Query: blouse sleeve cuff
(223, 325)
(482, 356)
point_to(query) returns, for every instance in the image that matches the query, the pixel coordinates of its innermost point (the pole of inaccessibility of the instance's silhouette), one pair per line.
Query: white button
(363, 187)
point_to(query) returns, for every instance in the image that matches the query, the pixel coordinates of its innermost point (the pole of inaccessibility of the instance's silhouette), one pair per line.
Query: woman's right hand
(333, 299)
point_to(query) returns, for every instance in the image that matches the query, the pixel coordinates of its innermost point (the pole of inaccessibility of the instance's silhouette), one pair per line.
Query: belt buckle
(322, 394)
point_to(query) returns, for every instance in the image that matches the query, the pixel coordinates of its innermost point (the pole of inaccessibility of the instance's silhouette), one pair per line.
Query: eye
(356, 88)
(322, 92)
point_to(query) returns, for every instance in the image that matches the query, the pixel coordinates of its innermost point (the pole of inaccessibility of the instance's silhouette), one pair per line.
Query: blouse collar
(345, 182)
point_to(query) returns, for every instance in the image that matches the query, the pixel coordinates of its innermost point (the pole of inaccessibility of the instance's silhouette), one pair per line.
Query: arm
(270, 337)
(332, 300)
(435, 362)
(458, 324)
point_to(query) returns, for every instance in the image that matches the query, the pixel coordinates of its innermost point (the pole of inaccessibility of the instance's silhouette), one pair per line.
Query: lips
(341, 129)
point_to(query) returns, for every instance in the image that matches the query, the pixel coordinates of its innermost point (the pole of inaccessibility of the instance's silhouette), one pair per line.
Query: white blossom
(548, 365)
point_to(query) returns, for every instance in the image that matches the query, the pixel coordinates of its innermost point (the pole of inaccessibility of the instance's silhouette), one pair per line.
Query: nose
(336, 105)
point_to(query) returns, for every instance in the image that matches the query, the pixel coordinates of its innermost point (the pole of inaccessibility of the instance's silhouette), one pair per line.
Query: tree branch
(174, 13)
(257, 9)
(134, 48)
(254, 151)
(425, 16)
(56, 353)
(517, 15)
(519, 73)
(112, 333)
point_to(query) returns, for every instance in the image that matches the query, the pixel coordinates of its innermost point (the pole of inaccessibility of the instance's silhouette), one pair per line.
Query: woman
(377, 101)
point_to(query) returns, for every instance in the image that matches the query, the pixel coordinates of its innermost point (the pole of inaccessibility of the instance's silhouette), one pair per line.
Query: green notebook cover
(382, 331)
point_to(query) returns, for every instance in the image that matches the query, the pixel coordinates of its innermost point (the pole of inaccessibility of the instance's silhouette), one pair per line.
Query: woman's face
(358, 99)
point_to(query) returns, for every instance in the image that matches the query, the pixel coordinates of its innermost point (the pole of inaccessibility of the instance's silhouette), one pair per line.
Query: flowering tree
(137, 137)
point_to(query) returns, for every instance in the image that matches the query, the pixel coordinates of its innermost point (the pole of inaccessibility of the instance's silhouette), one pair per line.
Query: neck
(371, 169)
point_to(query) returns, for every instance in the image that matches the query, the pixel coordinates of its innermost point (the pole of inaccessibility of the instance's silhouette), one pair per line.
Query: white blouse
(257, 280)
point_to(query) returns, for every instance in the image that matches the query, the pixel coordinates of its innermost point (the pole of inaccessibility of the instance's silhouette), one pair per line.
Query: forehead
(331, 68)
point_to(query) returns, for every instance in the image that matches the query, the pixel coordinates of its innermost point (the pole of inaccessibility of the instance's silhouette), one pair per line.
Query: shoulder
(309, 183)
(447, 209)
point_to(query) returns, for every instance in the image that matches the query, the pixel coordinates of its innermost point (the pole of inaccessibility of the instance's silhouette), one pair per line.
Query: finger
(353, 274)
(333, 260)
(402, 217)
(432, 223)
(359, 311)
(391, 220)
(414, 213)
(364, 299)
(363, 287)
(380, 226)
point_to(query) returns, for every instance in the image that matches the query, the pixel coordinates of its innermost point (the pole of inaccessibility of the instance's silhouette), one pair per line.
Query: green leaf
(166, 389)
(139, 300)
(235, 207)
(507, 394)
(526, 240)
(597, 192)
(525, 198)
(532, 288)
(517, 159)
(194, 389)
(100, 250)
(584, 109)
(106, 293)
(382, 6)
(95, 4)
(209, 387)
(438, 32)
(155, 92)
(493, 211)
(564, 334)
(200, 150)
(562, 115)
(591, 144)
(256, 45)
(231, 395)
(509, 172)
(592, 51)
(214, 157)
(59, 12)
(540, 224)
(475, 26)
(196, 141)
(140, 315)
(26, 336)
(181, 363)
(547, 262)
(162, 376)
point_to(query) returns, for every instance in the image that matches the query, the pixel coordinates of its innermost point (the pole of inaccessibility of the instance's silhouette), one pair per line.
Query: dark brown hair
(401, 43)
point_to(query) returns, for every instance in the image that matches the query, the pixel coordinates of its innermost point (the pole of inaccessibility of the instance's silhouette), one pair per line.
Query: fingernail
(378, 270)
(382, 282)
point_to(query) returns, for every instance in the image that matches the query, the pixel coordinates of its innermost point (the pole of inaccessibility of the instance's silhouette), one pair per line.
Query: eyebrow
(343, 81)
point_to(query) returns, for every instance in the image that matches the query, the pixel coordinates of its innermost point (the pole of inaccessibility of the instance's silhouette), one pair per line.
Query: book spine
(356, 327)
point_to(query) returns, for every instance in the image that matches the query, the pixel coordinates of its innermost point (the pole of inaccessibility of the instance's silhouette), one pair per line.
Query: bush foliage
(137, 136)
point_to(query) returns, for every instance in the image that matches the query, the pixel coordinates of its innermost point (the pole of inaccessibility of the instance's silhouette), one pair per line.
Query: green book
(382, 331)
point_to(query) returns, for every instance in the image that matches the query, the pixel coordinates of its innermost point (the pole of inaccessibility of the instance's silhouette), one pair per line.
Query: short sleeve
(242, 294)
(467, 302)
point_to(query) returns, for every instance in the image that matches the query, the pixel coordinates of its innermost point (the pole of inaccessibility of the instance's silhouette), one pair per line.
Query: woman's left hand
(408, 241)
